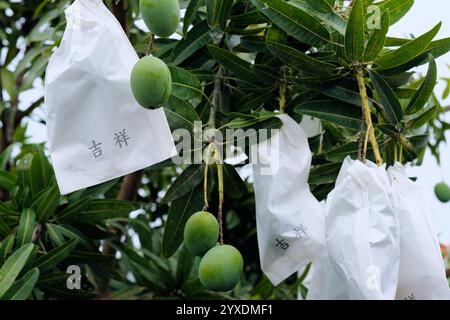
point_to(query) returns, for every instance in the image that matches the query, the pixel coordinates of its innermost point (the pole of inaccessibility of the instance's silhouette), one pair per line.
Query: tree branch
(119, 12)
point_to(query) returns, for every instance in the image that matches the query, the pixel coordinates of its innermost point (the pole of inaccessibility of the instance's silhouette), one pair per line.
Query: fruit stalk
(219, 165)
(282, 97)
(370, 133)
(205, 189)
(151, 43)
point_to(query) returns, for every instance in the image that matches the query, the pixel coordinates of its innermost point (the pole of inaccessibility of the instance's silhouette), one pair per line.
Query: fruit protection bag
(325, 283)
(96, 130)
(422, 270)
(362, 231)
(290, 222)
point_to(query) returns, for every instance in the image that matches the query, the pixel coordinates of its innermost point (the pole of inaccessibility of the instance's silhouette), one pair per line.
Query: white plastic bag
(96, 129)
(290, 220)
(362, 232)
(422, 270)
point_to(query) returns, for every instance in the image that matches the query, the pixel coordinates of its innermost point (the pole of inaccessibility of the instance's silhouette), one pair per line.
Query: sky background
(423, 16)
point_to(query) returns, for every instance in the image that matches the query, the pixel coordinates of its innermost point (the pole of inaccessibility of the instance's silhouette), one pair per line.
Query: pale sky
(424, 15)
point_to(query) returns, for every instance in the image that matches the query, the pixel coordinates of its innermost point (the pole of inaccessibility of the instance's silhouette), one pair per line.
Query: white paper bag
(362, 232)
(96, 129)
(290, 220)
(422, 271)
(325, 283)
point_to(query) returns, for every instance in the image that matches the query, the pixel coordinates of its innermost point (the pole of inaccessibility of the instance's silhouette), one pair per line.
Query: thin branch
(370, 134)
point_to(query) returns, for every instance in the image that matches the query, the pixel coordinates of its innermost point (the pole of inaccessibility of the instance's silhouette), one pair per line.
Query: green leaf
(321, 5)
(8, 180)
(39, 172)
(129, 292)
(331, 19)
(324, 174)
(343, 114)
(389, 101)
(397, 8)
(54, 235)
(235, 187)
(188, 180)
(5, 156)
(70, 233)
(424, 118)
(5, 229)
(7, 81)
(5, 247)
(55, 256)
(195, 39)
(46, 202)
(217, 12)
(99, 190)
(299, 60)
(408, 51)
(78, 256)
(180, 114)
(354, 35)
(23, 170)
(26, 227)
(425, 91)
(22, 288)
(185, 85)
(377, 39)
(189, 16)
(97, 211)
(294, 21)
(179, 212)
(73, 208)
(248, 18)
(13, 266)
(230, 61)
(185, 263)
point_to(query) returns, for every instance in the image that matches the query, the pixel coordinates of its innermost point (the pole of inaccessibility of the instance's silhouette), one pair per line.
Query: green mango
(201, 233)
(162, 17)
(151, 82)
(220, 268)
(442, 191)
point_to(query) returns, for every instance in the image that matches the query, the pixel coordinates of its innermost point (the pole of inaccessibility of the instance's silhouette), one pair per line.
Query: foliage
(235, 64)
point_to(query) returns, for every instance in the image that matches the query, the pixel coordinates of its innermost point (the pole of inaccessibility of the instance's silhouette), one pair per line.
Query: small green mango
(151, 82)
(162, 17)
(220, 269)
(201, 233)
(442, 191)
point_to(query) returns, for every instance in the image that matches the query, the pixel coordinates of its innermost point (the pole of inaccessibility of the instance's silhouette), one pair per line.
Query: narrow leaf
(389, 101)
(354, 35)
(408, 51)
(377, 39)
(55, 256)
(340, 113)
(294, 21)
(22, 288)
(179, 212)
(299, 60)
(180, 114)
(217, 12)
(425, 91)
(233, 63)
(26, 227)
(45, 204)
(424, 118)
(13, 266)
(185, 85)
(185, 182)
